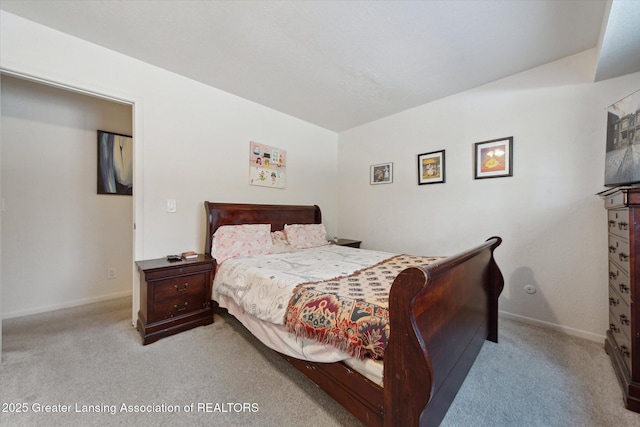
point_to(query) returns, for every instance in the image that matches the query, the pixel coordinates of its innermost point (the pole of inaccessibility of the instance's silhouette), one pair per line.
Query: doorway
(52, 211)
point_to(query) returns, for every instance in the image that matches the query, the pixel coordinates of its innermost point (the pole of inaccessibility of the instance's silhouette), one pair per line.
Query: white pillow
(304, 236)
(230, 241)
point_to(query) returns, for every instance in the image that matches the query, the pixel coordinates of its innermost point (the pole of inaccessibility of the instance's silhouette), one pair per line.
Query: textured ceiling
(337, 64)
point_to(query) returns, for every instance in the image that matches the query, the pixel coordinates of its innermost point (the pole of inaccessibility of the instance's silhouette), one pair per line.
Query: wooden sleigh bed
(439, 317)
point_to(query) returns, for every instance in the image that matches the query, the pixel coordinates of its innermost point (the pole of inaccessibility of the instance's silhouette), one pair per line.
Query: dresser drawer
(620, 310)
(619, 280)
(623, 344)
(615, 200)
(619, 252)
(176, 307)
(179, 286)
(618, 221)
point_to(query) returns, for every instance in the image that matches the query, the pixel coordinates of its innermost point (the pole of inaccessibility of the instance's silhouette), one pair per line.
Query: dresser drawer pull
(614, 328)
(612, 249)
(181, 289)
(623, 257)
(612, 223)
(624, 319)
(614, 301)
(625, 351)
(623, 288)
(178, 309)
(613, 275)
(623, 225)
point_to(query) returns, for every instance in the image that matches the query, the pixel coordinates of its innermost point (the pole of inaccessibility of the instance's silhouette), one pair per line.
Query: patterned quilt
(350, 312)
(262, 285)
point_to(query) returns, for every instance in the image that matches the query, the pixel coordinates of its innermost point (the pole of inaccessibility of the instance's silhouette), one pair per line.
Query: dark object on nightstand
(174, 296)
(348, 242)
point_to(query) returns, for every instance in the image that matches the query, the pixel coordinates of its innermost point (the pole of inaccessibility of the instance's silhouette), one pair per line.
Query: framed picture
(267, 165)
(494, 158)
(115, 163)
(382, 173)
(622, 164)
(431, 168)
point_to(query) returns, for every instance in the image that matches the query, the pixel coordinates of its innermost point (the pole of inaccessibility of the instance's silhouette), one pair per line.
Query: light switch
(171, 206)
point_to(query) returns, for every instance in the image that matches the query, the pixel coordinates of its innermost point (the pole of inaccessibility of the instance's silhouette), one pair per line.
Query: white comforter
(262, 284)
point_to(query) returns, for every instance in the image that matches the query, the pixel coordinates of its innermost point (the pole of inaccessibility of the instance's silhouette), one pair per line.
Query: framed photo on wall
(267, 165)
(431, 168)
(622, 163)
(494, 158)
(381, 174)
(115, 163)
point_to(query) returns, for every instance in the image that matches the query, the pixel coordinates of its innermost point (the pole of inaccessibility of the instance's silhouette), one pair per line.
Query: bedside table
(348, 242)
(174, 296)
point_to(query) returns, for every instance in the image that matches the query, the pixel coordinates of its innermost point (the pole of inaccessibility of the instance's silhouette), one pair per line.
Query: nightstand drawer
(175, 269)
(179, 286)
(177, 307)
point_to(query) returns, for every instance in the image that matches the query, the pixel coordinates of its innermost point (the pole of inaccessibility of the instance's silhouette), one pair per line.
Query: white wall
(552, 224)
(59, 235)
(191, 140)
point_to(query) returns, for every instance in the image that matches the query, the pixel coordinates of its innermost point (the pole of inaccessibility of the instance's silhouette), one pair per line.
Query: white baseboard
(66, 304)
(564, 329)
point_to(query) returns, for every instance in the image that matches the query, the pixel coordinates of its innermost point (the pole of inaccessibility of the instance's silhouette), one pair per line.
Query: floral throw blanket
(350, 312)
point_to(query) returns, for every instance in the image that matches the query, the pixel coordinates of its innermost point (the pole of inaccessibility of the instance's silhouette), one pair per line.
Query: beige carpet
(89, 358)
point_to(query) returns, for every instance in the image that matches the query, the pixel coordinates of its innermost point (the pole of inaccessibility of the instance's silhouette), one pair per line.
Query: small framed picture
(431, 168)
(494, 158)
(381, 174)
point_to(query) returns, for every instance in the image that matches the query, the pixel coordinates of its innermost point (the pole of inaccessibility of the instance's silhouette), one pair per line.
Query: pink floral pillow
(230, 241)
(303, 236)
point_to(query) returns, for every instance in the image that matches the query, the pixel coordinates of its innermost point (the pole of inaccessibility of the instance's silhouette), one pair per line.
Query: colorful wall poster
(267, 165)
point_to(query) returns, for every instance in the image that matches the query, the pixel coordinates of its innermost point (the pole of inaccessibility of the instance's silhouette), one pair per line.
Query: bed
(439, 316)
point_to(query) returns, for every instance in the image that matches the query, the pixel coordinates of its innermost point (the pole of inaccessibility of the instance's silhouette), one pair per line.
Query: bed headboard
(219, 214)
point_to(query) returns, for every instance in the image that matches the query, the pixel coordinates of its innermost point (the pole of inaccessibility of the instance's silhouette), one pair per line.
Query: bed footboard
(440, 316)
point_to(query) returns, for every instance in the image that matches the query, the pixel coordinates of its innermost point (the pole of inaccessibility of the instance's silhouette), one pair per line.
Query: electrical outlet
(112, 273)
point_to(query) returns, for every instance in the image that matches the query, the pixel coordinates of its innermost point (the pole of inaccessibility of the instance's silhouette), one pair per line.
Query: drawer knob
(179, 289)
(614, 328)
(179, 309)
(623, 288)
(612, 249)
(623, 225)
(623, 257)
(614, 301)
(612, 223)
(624, 319)
(625, 351)
(613, 275)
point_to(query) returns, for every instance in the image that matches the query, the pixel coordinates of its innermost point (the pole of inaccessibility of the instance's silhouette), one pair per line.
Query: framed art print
(115, 163)
(381, 174)
(494, 158)
(622, 163)
(267, 165)
(431, 168)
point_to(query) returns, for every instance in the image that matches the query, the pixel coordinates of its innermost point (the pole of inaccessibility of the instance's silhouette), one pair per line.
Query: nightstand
(348, 242)
(174, 296)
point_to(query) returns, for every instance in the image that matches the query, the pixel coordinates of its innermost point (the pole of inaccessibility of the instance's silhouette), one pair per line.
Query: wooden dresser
(623, 336)
(174, 296)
